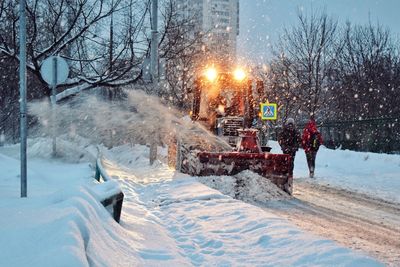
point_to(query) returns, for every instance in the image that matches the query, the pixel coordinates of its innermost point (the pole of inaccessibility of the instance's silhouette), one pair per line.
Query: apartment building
(218, 22)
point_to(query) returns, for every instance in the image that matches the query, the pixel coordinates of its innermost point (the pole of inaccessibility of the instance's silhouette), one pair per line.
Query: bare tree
(367, 87)
(303, 60)
(283, 87)
(180, 47)
(366, 65)
(74, 29)
(105, 43)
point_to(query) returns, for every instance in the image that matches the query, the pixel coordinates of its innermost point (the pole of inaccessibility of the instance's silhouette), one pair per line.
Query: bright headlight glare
(239, 75)
(211, 74)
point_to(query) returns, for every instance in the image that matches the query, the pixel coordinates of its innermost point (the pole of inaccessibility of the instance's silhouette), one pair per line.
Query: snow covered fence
(115, 198)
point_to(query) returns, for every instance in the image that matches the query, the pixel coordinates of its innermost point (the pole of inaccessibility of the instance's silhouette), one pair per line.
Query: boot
(311, 172)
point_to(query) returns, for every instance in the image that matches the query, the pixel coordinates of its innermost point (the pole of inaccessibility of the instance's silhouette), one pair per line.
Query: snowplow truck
(224, 103)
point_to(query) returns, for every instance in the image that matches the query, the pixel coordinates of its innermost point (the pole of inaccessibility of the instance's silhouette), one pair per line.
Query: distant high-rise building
(218, 22)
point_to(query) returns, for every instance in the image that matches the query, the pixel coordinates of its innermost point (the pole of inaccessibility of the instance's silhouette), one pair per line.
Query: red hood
(311, 126)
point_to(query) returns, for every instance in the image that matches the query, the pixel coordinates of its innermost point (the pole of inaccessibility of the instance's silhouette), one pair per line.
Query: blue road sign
(269, 111)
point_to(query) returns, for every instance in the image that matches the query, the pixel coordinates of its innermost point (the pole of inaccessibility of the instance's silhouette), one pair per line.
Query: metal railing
(115, 201)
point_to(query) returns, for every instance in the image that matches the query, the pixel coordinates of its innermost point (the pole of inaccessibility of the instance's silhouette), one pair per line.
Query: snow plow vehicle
(223, 103)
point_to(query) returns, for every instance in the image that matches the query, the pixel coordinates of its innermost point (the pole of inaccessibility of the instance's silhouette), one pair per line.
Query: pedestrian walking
(289, 139)
(311, 141)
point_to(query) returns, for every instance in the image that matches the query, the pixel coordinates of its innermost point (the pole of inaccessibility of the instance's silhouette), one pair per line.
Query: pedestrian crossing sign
(268, 111)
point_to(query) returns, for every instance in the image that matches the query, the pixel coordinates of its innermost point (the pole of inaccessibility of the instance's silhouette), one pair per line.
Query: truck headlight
(211, 74)
(239, 75)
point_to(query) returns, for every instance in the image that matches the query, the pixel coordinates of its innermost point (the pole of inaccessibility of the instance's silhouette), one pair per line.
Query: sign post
(22, 93)
(53, 105)
(54, 71)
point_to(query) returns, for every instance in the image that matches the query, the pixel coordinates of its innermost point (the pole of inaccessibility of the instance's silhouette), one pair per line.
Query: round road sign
(54, 66)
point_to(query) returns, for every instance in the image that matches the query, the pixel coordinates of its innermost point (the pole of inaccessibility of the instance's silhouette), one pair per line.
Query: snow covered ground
(168, 219)
(374, 174)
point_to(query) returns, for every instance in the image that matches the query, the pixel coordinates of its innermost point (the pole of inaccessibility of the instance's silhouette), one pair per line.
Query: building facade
(217, 21)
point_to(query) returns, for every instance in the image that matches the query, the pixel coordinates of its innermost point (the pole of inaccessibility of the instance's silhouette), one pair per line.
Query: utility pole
(154, 66)
(22, 94)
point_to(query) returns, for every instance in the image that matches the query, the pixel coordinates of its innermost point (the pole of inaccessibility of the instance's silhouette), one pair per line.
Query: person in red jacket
(311, 140)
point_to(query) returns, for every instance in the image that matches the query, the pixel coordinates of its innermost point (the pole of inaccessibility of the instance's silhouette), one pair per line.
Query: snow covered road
(354, 220)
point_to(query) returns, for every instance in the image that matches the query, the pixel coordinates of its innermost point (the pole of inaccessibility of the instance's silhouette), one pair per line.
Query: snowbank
(71, 149)
(247, 186)
(374, 174)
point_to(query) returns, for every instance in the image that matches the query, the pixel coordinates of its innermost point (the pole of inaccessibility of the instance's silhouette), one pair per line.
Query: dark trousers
(311, 160)
(293, 154)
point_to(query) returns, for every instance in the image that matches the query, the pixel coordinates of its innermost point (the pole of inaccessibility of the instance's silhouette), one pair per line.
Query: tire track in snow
(354, 220)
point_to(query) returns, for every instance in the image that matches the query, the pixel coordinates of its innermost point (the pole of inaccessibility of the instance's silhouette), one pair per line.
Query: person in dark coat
(311, 141)
(289, 140)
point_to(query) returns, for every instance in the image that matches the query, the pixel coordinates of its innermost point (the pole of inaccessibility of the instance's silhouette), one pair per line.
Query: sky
(262, 21)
